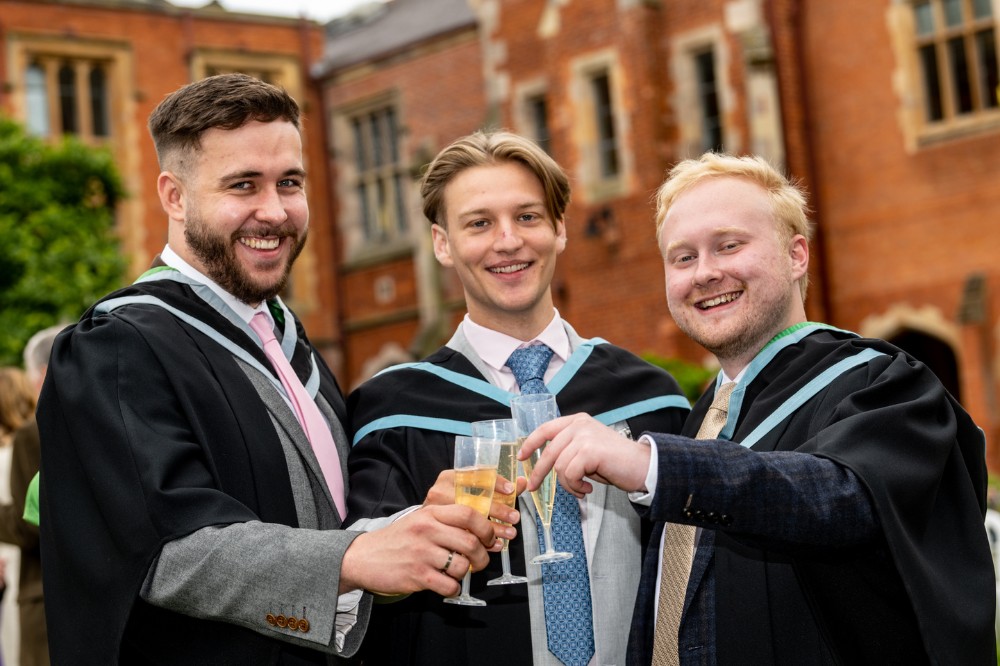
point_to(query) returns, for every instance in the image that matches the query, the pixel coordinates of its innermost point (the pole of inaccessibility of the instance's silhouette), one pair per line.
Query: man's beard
(218, 257)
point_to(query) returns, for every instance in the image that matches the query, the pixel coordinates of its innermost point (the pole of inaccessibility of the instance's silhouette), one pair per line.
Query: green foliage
(59, 253)
(692, 378)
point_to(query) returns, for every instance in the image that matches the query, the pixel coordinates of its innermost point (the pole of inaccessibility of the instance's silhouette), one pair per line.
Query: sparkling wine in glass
(531, 411)
(502, 431)
(475, 477)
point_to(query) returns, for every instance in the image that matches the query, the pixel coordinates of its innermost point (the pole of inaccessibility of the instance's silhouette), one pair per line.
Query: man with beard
(192, 483)
(836, 507)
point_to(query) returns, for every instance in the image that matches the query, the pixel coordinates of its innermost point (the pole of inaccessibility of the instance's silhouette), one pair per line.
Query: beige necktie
(678, 548)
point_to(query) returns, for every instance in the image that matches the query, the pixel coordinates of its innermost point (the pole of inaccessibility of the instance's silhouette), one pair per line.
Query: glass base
(507, 579)
(550, 557)
(464, 600)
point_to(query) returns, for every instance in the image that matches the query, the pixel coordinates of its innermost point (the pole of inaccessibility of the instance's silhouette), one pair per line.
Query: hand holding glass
(503, 433)
(475, 477)
(531, 411)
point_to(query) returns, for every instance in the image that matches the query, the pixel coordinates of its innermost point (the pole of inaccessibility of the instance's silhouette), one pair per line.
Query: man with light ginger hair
(836, 503)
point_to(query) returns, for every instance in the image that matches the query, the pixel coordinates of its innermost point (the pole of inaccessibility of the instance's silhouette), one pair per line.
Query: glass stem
(547, 534)
(505, 559)
(465, 583)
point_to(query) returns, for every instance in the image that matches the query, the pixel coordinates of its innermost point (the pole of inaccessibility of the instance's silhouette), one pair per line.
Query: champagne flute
(502, 431)
(475, 477)
(531, 411)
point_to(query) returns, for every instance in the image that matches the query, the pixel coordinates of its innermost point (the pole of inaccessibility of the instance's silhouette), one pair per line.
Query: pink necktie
(306, 412)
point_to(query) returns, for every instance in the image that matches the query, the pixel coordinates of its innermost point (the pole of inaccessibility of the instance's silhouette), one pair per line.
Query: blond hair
(788, 199)
(490, 149)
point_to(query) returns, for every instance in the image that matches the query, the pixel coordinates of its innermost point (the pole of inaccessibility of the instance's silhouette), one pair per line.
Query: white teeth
(509, 269)
(719, 300)
(261, 243)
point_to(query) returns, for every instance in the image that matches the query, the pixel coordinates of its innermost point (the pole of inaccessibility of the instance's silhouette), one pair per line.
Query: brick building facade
(886, 110)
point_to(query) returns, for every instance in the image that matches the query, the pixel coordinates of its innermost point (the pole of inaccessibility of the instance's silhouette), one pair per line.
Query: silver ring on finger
(447, 564)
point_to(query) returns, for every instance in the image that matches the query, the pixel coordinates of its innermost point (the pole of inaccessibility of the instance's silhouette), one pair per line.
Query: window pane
(37, 100)
(399, 183)
(986, 53)
(982, 8)
(99, 101)
(607, 147)
(375, 126)
(393, 134)
(360, 155)
(953, 12)
(932, 83)
(366, 213)
(925, 17)
(962, 86)
(711, 121)
(67, 99)
(538, 113)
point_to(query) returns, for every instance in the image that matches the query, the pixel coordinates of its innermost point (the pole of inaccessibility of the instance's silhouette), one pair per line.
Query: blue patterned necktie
(569, 619)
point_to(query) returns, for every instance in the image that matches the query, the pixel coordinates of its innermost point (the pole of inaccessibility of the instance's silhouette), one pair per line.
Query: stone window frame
(909, 79)
(527, 97)
(83, 57)
(597, 185)
(686, 100)
(359, 247)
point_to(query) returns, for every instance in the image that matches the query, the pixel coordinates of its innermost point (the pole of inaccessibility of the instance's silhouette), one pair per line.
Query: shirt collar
(242, 310)
(494, 347)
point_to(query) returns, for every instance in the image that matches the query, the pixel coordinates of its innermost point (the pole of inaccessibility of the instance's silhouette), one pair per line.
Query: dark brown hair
(225, 101)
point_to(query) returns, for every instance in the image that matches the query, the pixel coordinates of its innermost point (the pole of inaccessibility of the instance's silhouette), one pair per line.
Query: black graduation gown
(209, 456)
(393, 468)
(924, 591)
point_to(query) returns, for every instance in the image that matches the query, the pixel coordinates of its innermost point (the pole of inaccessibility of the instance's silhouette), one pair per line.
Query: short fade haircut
(492, 149)
(224, 101)
(788, 199)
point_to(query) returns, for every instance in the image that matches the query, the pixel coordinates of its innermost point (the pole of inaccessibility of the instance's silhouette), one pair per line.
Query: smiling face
(503, 244)
(238, 212)
(732, 279)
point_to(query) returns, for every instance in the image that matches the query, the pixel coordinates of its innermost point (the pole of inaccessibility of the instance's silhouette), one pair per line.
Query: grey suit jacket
(240, 573)
(612, 541)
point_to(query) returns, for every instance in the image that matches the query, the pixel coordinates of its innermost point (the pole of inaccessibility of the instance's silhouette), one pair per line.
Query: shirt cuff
(645, 498)
(347, 616)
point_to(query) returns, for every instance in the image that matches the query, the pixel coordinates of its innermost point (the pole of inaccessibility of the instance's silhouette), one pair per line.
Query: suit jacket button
(271, 620)
(304, 626)
(282, 621)
(698, 513)
(293, 623)
(687, 513)
(726, 519)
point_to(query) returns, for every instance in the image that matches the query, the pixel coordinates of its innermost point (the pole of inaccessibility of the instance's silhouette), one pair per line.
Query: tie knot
(261, 325)
(721, 399)
(528, 365)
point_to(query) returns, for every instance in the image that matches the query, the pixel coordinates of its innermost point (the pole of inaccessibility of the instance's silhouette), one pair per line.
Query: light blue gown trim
(288, 338)
(643, 407)
(801, 396)
(484, 388)
(760, 362)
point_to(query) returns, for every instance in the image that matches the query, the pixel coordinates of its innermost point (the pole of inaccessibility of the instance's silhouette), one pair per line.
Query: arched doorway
(934, 353)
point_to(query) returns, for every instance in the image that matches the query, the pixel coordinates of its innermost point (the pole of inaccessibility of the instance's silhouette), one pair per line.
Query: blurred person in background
(17, 407)
(25, 459)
